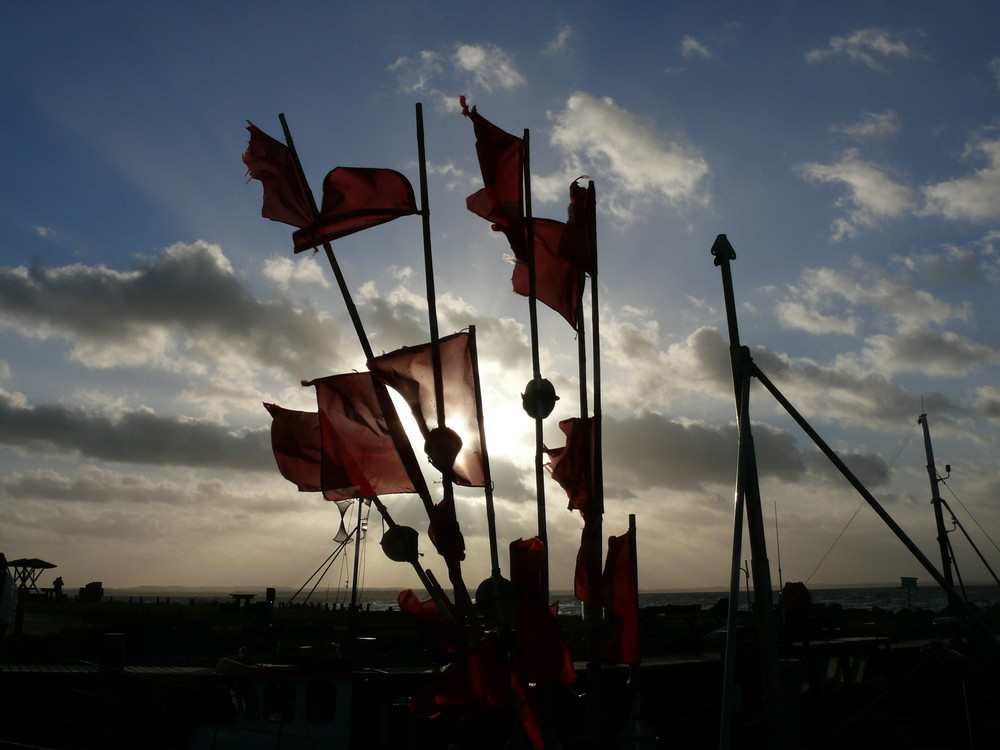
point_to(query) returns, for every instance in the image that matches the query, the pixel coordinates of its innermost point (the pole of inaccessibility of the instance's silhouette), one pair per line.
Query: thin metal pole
(357, 565)
(536, 370)
(594, 517)
(942, 533)
(491, 517)
(425, 215)
(447, 487)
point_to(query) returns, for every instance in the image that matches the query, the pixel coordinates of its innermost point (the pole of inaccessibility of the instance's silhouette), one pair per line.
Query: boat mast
(942, 534)
(748, 499)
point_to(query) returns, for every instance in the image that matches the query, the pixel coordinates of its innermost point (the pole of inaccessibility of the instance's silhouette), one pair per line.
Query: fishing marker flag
(578, 244)
(410, 372)
(297, 443)
(501, 161)
(558, 282)
(358, 456)
(356, 198)
(572, 465)
(621, 598)
(297, 446)
(286, 197)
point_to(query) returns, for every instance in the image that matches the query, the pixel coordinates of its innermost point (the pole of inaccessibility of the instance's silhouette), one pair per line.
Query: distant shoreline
(391, 592)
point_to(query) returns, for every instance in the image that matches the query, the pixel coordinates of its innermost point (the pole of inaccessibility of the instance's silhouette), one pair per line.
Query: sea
(885, 597)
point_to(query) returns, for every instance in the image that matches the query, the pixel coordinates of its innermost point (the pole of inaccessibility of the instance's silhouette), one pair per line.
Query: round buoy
(539, 398)
(400, 544)
(496, 600)
(442, 447)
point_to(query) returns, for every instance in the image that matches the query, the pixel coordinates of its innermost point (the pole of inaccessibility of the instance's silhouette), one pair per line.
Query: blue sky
(850, 151)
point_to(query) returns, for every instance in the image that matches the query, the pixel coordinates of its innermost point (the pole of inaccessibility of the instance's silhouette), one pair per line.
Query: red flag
(621, 597)
(558, 282)
(444, 532)
(286, 197)
(586, 590)
(356, 198)
(540, 652)
(427, 613)
(297, 446)
(572, 465)
(479, 688)
(501, 163)
(358, 458)
(578, 245)
(410, 371)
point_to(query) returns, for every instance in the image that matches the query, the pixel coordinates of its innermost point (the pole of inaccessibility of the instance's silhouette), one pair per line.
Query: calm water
(890, 598)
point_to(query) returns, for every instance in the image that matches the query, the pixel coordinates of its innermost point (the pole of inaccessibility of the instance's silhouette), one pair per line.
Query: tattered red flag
(572, 465)
(586, 578)
(540, 652)
(621, 598)
(558, 282)
(501, 201)
(356, 198)
(358, 456)
(480, 688)
(286, 197)
(427, 613)
(578, 245)
(410, 371)
(444, 531)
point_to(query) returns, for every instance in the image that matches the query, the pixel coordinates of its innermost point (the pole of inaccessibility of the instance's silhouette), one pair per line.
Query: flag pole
(536, 369)
(593, 518)
(425, 216)
(491, 518)
(399, 438)
(447, 485)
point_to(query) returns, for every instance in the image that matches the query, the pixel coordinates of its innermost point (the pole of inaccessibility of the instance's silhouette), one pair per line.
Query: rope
(974, 520)
(876, 483)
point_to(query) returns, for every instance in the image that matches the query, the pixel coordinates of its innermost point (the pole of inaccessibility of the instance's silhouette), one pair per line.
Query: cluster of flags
(353, 445)
(563, 250)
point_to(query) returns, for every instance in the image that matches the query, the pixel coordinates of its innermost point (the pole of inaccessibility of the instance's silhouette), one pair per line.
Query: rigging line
(861, 504)
(974, 519)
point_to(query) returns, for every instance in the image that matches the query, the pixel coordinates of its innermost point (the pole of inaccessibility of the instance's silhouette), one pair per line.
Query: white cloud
(799, 316)
(45, 232)
(988, 402)
(491, 67)
(928, 352)
(692, 48)
(559, 43)
(870, 47)
(182, 311)
(976, 264)
(871, 124)
(640, 165)
(416, 72)
(975, 197)
(290, 272)
(823, 290)
(873, 194)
